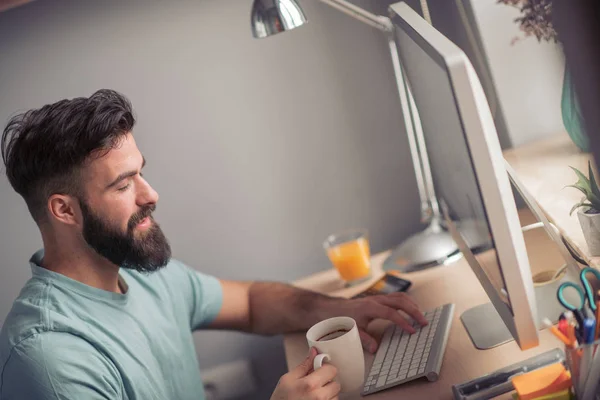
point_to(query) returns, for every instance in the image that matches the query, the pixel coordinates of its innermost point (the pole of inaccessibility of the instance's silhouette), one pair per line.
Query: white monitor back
(468, 168)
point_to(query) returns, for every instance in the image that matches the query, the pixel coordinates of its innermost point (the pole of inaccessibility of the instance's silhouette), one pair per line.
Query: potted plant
(536, 20)
(588, 209)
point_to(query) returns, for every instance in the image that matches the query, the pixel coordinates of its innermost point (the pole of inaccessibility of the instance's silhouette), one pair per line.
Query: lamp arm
(429, 204)
(382, 23)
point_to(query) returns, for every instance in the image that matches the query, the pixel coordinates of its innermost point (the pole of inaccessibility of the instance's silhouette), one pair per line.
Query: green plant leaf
(583, 183)
(582, 203)
(595, 205)
(593, 184)
(582, 190)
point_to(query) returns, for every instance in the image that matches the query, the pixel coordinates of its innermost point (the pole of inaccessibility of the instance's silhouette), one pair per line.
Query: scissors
(586, 295)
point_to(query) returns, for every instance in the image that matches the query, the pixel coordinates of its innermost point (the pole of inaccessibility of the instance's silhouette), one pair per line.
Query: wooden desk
(454, 283)
(543, 168)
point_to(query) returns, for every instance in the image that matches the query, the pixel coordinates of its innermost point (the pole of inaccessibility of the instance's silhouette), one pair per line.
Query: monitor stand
(487, 329)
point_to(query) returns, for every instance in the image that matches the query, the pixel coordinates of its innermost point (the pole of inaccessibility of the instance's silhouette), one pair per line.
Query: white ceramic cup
(338, 343)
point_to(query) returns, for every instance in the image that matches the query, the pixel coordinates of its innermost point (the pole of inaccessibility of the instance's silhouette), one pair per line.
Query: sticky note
(541, 382)
(562, 395)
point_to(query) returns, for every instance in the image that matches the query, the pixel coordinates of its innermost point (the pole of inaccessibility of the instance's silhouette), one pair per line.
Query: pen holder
(585, 360)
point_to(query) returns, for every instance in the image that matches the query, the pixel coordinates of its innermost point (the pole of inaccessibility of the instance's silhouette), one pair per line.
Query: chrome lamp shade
(273, 16)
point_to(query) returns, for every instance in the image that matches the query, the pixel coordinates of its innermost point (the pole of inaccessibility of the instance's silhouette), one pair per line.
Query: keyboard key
(401, 376)
(421, 370)
(411, 373)
(381, 381)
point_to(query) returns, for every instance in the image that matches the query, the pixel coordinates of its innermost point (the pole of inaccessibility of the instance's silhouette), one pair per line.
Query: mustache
(136, 218)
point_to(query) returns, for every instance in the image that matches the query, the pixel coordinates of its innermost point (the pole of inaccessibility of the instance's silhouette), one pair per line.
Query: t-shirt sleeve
(56, 365)
(202, 293)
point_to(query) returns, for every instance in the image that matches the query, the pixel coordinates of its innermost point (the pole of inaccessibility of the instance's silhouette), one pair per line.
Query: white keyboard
(403, 357)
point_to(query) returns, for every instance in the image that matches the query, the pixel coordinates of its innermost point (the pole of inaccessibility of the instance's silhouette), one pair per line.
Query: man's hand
(366, 309)
(302, 383)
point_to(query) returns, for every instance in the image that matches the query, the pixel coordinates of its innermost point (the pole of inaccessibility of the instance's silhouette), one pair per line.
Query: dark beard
(147, 253)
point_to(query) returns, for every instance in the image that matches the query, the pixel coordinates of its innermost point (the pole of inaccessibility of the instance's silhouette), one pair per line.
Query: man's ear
(65, 209)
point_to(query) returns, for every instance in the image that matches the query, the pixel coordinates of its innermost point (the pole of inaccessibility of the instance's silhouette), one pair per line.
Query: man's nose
(147, 195)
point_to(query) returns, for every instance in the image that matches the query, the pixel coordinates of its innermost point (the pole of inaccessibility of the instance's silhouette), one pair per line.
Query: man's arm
(270, 308)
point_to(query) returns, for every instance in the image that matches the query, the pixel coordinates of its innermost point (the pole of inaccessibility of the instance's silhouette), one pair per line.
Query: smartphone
(390, 283)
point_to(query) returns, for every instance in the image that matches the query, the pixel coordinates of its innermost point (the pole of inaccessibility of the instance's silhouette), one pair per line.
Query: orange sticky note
(541, 382)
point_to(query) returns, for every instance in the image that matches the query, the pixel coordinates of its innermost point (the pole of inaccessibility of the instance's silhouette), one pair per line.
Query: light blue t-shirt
(67, 340)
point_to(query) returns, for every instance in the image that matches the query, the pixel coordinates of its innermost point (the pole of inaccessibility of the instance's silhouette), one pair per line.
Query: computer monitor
(469, 175)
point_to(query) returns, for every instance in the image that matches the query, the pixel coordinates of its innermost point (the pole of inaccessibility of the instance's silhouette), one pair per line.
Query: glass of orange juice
(350, 254)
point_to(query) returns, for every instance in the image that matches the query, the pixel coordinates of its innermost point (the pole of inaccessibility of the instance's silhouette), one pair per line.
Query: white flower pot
(590, 225)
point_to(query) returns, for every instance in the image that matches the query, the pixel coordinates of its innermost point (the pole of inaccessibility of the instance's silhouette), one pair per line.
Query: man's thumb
(305, 366)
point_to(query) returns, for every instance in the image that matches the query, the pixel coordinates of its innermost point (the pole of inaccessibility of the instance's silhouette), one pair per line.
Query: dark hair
(44, 149)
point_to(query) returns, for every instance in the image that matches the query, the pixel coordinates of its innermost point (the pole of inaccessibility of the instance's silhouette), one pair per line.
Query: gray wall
(258, 149)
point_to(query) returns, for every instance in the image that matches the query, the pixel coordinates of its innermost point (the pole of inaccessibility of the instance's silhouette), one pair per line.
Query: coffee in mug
(333, 335)
(338, 343)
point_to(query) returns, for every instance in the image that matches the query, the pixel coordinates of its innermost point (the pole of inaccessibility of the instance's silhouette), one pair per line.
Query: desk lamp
(434, 245)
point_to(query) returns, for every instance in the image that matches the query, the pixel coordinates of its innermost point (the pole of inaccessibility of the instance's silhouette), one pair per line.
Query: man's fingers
(401, 303)
(320, 377)
(389, 313)
(329, 391)
(404, 296)
(368, 342)
(305, 366)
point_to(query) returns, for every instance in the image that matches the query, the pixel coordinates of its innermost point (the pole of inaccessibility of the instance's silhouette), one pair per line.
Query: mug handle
(319, 360)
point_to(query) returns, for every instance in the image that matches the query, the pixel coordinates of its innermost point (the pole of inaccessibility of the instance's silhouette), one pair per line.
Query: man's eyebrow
(125, 175)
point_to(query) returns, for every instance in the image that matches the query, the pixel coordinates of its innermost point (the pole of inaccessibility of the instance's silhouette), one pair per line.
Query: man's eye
(124, 188)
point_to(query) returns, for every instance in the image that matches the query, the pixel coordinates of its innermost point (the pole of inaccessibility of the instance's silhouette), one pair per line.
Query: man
(107, 313)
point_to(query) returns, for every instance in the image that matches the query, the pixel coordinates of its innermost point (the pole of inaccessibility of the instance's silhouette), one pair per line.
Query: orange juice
(351, 259)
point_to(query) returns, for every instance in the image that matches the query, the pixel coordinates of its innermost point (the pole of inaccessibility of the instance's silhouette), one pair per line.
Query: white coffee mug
(338, 343)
